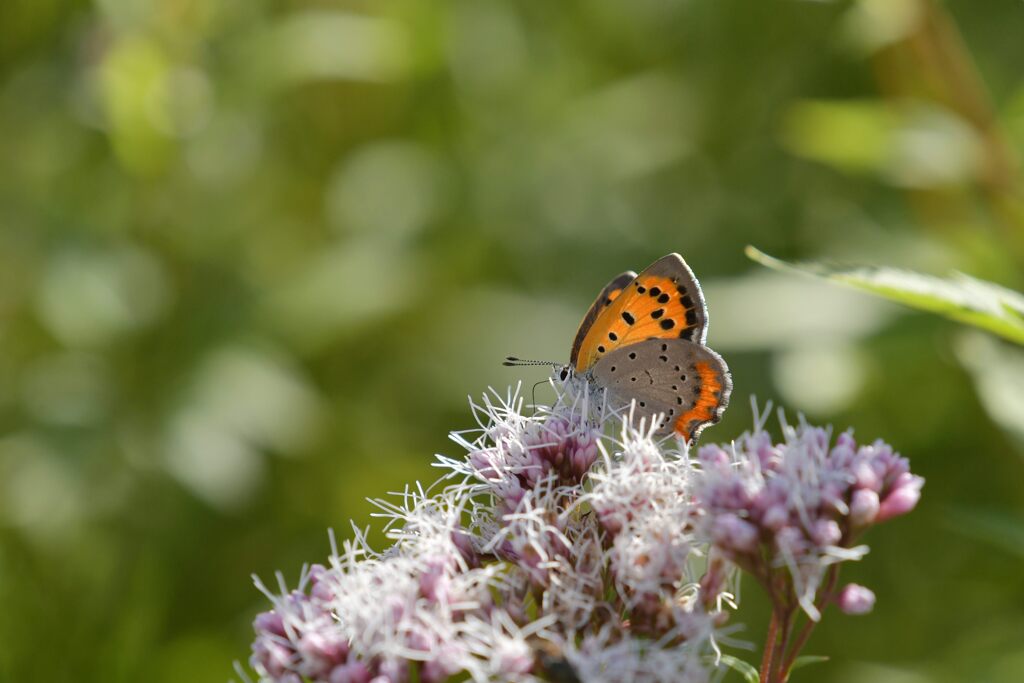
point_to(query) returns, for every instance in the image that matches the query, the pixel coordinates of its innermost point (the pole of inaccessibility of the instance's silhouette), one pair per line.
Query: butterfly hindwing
(611, 291)
(684, 381)
(663, 302)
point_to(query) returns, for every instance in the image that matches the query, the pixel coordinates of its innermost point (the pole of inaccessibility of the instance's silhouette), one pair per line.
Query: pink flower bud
(826, 532)
(713, 455)
(271, 657)
(321, 589)
(320, 647)
(791, 540)
(583, 455)
(393, 670)
(482, 462)
(353, 672)
(734, 534)
(269, 622)
(866, 476)
(856, 599)
(775, 517)
(846, 441)
(863, 507)
(434, 581)
(463, 543)
(902, 499)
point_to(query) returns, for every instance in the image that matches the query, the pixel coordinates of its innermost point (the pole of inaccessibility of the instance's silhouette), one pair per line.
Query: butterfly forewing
(662, 302)
(683, 381)
(603, 301)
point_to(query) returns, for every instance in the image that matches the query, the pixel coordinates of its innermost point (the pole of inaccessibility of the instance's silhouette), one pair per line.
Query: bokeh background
(254, 255)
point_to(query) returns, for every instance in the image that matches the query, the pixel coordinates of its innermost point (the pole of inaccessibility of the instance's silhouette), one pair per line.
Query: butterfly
(642, 341)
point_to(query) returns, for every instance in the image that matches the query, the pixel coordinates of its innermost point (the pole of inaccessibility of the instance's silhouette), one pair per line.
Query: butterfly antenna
(513, 362)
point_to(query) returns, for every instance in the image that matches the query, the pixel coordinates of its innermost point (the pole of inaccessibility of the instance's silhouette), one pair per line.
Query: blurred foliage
(960, 297)
(255, 253)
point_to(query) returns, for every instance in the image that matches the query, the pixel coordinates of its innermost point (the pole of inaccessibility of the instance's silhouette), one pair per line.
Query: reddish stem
(824, 597)
(769, 647)
(780, 671)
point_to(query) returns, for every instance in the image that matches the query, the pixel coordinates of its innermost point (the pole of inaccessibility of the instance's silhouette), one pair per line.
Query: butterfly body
(642, 342)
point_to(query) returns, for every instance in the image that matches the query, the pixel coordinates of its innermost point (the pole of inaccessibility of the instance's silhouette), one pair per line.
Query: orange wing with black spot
(663, 302)
(603, 301)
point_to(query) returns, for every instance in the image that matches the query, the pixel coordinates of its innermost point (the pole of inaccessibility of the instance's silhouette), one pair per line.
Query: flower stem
(781, 671)
(769, 647)
(831, 577)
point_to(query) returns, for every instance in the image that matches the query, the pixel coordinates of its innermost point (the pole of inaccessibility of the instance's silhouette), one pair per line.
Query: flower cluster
(801, 504)
(570, 544)
(427, 603)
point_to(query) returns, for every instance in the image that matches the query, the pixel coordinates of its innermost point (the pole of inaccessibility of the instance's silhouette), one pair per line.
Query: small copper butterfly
(643, 339)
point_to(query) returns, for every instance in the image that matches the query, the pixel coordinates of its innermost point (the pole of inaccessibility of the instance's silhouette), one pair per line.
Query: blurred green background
(254, 254)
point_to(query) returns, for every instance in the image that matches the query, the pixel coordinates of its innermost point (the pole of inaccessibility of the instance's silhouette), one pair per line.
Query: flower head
(571, 539)
(802, 503)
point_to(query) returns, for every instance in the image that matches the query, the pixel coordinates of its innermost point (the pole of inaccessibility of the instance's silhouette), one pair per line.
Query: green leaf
(804, 660)
(960, 297)
(748, 671)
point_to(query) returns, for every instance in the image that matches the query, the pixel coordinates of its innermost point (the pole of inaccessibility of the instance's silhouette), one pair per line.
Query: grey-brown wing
(686, 382)
(607, 295)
